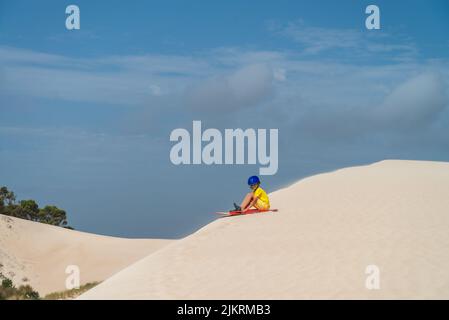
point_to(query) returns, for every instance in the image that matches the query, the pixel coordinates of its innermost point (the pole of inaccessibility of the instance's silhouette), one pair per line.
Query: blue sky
(86, 114)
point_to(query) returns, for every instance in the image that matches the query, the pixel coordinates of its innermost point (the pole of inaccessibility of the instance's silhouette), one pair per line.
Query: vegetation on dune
(25, 292)
(70, 294)
(9, 292)
(29, 210)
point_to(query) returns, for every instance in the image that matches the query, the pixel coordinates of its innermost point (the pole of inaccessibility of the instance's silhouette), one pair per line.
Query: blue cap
(253, 180)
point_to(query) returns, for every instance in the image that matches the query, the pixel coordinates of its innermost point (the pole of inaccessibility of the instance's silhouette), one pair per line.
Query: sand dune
(39, 254)
(330, 227)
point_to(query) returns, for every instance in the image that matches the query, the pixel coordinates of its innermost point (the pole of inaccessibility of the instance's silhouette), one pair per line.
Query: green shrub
(70, 294)
(27, 292)
(9, 292)
(7, 283)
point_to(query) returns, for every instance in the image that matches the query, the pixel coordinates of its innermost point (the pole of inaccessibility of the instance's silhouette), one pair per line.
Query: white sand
(41, 253)
(330, 227)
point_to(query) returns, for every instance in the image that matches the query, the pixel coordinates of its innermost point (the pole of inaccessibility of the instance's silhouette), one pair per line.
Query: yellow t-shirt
(262, 195)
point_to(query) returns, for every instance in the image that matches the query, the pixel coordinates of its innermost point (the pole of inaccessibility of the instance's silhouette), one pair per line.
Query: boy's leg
(247, 200)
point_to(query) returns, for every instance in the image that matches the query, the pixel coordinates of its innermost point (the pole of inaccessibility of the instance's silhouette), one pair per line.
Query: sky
(86, 115)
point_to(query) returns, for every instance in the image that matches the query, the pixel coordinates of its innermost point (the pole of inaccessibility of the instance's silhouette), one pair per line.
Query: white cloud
(352, 43)
(320, 39)
(317, 94)
(280, 74)
(243, 88)
(414, 103)
(155, 90)
(409, 110)
(126, 80)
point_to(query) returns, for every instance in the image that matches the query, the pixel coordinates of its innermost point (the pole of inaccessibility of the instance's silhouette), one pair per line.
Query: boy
(258, 198)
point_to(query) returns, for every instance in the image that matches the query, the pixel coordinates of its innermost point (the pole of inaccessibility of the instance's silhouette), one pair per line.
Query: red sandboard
(238, 213)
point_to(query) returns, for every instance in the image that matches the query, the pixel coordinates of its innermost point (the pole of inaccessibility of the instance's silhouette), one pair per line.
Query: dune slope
(38, 254)
(392, 214)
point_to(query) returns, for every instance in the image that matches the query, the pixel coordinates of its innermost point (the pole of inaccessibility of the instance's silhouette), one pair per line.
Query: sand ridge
(38, 254)
(330, 227)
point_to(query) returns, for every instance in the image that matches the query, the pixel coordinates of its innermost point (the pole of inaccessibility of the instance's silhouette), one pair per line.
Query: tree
(3, 193)
(13, 210)
(7, 195)
(29, 210)
(53, 215)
